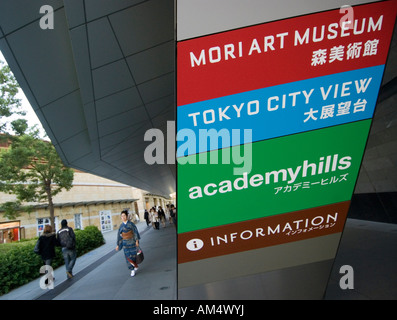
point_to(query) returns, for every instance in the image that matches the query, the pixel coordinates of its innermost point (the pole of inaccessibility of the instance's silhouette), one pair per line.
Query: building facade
(91, 201)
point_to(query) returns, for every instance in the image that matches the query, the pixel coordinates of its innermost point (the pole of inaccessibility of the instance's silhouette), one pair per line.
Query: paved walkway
(370, 249)
(102, 274)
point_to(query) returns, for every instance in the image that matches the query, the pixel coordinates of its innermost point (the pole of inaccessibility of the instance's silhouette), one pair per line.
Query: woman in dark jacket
(46, 245)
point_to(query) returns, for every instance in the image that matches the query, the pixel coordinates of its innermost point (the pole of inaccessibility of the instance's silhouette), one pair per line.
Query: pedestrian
(128, 239)
(173, 214)
(67, 240)
(155, 218)
(45, 245)
(167, 212)
(161, 215)
(146, 216)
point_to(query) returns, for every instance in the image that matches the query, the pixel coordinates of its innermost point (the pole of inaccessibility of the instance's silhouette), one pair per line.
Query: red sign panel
(284, 51)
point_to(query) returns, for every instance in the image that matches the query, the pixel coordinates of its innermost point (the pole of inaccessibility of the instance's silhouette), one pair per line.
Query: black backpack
(65, 239)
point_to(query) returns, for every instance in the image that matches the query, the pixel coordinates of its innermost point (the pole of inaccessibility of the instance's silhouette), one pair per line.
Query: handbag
(37, 247)
(139, 256)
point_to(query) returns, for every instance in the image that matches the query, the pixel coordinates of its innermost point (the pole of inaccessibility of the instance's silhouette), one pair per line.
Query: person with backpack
(67, 240)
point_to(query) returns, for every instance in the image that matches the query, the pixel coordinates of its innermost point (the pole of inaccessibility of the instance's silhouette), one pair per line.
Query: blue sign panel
(282, 110)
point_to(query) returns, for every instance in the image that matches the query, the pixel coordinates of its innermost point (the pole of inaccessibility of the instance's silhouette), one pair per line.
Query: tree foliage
(32, 170)
(9, 103)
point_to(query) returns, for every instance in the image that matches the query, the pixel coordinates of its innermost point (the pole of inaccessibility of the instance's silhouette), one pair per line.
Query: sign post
(272, 124)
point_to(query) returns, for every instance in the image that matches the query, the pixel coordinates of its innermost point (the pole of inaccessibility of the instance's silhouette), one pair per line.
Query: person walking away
(67, 240)
(128, 239)
(45, 246)
(146, 216)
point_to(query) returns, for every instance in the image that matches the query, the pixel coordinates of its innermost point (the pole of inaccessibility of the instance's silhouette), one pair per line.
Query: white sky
(30, 114)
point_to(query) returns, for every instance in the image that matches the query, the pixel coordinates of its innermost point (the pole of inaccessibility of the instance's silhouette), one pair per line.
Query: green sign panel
(281, 175)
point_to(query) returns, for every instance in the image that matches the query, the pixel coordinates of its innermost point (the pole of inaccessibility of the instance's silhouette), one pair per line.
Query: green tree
(9, 103)
(32, 170)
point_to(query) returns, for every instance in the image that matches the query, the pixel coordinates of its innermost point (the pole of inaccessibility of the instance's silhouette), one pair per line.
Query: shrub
(88, 239)
(20, 265)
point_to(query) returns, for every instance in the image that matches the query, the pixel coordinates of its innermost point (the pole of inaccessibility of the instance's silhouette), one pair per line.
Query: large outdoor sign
(292, 100)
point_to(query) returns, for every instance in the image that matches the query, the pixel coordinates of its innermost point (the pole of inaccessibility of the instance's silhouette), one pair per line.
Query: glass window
(78, 221)
(41, 222)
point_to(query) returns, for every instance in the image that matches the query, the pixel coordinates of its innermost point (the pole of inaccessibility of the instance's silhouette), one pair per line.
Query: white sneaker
(132, 273)
(135, 268)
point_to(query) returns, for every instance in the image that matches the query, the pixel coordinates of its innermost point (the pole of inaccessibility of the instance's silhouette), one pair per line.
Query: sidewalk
(369, 247)
(102, 273)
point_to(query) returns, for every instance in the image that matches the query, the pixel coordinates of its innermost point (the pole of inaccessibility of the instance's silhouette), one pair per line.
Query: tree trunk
(52, 218)
(50, 205)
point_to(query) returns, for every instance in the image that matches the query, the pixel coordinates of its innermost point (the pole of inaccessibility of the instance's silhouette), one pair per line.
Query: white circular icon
(194, 244)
